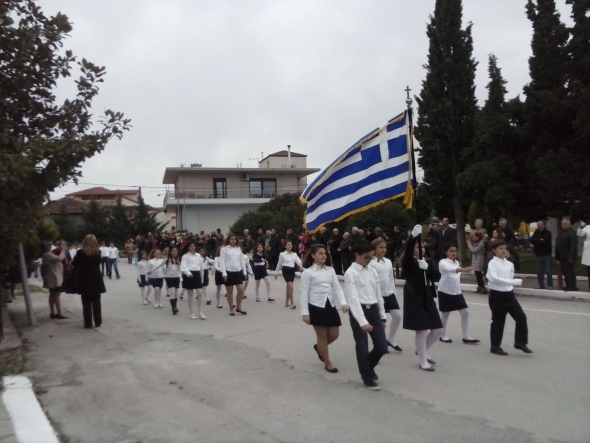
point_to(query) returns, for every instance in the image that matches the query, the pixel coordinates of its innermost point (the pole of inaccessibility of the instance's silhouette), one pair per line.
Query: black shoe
(241, 312)
(319, 356)
(244, 297)
(332, 371)
(523, 348)
(271, 299)
(571, 290)
(371, 385)
(52, 315)
(375, 377)
(208, 302)
(445, 341)
(257, 299)
(59, 317)
(430, 369)
(118, 277)
(498, 351)
(470, 342)
(429, 360)
(219, 307)
(175, 311)
(396, 347)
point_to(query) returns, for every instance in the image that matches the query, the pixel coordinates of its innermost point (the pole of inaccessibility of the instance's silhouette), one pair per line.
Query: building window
(263, 188)
(219, 188)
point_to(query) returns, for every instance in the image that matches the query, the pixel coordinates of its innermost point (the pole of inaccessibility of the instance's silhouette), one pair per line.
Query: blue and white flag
(374, 170)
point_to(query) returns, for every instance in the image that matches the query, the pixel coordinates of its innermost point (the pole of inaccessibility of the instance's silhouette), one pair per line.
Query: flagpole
(413, 160)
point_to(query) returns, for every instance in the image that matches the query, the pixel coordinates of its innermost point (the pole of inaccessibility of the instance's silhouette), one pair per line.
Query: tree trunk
(460, 219)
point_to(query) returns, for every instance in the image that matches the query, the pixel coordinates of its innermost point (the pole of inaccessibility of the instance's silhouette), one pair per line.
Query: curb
(11, 358)
(29, 420)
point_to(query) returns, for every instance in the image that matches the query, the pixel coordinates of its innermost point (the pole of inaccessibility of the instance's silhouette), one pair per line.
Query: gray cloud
(219, 82)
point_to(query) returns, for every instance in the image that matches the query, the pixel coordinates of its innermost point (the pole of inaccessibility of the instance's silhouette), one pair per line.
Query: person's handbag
(71, 281)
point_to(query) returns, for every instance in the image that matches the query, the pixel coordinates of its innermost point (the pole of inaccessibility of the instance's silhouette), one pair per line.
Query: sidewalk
(7, 434)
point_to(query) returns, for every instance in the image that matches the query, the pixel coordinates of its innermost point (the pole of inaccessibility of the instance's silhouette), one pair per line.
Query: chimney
(289, 155)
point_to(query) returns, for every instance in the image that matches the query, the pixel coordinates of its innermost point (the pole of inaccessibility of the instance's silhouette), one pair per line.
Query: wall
(210, 217)
(283, 162)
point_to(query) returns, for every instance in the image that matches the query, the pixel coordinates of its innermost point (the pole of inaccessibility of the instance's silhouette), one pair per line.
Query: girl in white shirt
(143, 266)
(172, 275)
(219, 279)
(190, 266)
(384, 268)
(319, 285)
(260, 271)
(156, 274)
(450, 297)
(288, 261)
(205, 266)
(502, 301)
(232, 268)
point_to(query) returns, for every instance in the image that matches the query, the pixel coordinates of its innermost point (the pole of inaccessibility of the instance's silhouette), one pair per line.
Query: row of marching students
(370, 294)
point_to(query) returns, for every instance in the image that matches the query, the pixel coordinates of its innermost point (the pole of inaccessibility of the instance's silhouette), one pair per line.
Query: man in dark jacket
(335, 252)
(293, 239)
(541, 241)
(324, 236)
(446, 235)
(566, 252)
(274, 250)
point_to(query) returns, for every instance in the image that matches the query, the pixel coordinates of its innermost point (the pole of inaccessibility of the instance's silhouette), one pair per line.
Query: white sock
(432, 337)
(396, 319)
(267, 281)
(142, 294)
(218, 295)
(190, 300)
(257, 288)
(158, 295)
(147, 297)
(421, 348)
(205, 293)
(465, 323)
(444, 318)
(199, 297)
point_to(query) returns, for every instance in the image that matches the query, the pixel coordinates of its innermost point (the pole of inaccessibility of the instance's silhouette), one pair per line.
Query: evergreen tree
(119, 223)
(447, 107)
(555, 168)
(144, 222)
(95, 222)
(64, 224)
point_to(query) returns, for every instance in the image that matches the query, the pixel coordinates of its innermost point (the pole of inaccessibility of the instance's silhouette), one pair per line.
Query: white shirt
(113, 253)
(362, 288)
(384, 269)
(190, 262)
(319, 284)
(104, 252)
(143, 266)
(206, 263)
(288, 259)
(247, 264)
(450, 279)
(231, 260)
(157, 268)
(500, 275)
(217, 264)
(170, 271)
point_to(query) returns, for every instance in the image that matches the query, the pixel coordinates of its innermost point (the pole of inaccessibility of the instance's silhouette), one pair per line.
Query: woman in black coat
(89, 280)
(420, 311)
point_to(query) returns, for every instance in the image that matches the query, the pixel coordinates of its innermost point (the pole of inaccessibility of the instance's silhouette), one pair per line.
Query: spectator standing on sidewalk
(104, 258)
(477, 246)
(345, 251)
(334, 243)
(113, 261)
(446, 235)
(90, 281)
(584, 231)
(566, 252)
(542, 247)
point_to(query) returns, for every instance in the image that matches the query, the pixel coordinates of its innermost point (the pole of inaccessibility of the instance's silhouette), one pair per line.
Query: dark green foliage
(144, 221)
(252, 220)
(384, 216)
(430, 203)
(447, 107)
(95, 222)
(119, 224)
(67, 230)
(42, 142)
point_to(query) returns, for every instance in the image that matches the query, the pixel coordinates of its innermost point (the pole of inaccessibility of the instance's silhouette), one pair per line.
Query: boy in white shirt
(112, 261)
(367, 312)
(104, 257)
(502, 301)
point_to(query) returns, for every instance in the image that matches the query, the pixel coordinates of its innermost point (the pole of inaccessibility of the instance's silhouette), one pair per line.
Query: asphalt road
(148, 376)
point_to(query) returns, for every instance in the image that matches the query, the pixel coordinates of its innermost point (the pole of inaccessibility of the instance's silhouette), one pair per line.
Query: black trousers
(91, 308)
(501, 304)
(368, 360)
(479, 278)
(104, 263)
(337, 263)
(345, 261)
(569, 274)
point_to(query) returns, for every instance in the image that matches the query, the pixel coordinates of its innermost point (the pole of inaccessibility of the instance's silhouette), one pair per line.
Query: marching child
(143, 267)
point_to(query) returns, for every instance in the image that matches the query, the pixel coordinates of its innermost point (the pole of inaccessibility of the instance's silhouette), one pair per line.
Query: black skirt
(419, 316)
(234, 278)
(193, 282)
(448, 303)
(206, 278)
(172, 282)
(157, 282)
(289, 274)
(390, 303)
(260, 272)
(144, 281)
(219, 278)
(324, 317)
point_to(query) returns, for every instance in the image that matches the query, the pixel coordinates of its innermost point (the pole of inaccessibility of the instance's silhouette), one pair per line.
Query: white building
(205, 199)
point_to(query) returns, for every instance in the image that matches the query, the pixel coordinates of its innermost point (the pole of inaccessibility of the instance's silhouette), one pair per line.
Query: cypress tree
(119, 223)
(95, 222)
(64, 225)
(447, 107)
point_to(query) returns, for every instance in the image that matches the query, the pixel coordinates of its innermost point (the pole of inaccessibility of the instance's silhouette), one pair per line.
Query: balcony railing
(229, 194)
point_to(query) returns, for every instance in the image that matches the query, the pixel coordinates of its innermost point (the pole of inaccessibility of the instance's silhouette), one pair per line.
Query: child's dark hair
(141, 253)
(313, 249)
(363, 246)
(218, 253)
(448, 246)
(169, 259)
(497, 243)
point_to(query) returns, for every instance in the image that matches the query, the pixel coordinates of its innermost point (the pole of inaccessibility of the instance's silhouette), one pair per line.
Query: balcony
(230, 196)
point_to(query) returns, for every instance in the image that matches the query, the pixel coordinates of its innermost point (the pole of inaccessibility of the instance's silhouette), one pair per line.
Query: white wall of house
(283, 162)
(210, 217)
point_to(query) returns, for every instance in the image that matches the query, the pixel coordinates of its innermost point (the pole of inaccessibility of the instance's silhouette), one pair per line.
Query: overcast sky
(219, 82)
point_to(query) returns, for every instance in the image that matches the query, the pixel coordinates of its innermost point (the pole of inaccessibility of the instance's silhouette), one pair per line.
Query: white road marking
(540, 310)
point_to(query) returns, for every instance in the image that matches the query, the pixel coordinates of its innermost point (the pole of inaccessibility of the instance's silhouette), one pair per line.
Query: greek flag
(374, 170)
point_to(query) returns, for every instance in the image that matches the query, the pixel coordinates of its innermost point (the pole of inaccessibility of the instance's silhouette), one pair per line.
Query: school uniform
(172, 275)
(384, 269)
(143, 267)
(206, 264)
(259, 266)
(366, 307)
(502, 301)
(218, 274)
(450, 297)
(287, 262)
(156, 272)
(191, 265)
(318, 287)
(247, 265)
(232, 265)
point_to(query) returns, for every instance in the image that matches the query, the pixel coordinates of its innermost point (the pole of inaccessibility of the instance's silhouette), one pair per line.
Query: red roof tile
(102, 191)
(72, 205)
